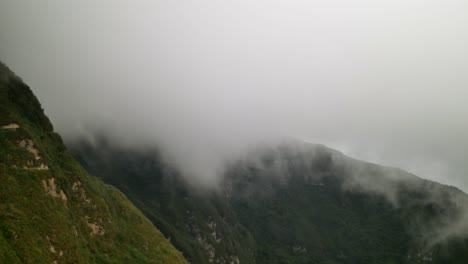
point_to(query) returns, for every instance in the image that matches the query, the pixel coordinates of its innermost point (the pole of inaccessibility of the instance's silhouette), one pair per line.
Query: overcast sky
(384, 81)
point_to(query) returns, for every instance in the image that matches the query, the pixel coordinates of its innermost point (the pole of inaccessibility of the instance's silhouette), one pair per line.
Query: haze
(384, 81)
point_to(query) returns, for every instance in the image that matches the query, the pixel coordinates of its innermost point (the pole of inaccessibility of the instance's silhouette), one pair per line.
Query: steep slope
(51, 210)
(291, 203)
(201, 224)
(308, 203)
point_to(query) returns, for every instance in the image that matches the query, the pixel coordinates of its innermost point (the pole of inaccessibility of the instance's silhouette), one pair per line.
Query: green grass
(32, 221)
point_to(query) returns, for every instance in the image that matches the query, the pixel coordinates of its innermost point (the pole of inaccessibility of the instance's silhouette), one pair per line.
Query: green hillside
(291, 203)
(51, 210)
(201, 224)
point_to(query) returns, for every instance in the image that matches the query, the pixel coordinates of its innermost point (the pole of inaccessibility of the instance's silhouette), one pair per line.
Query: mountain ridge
(373, 214)
(284, 203)
(51, 210)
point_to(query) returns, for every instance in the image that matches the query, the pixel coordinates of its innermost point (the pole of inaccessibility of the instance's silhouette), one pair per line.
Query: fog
(383, 81)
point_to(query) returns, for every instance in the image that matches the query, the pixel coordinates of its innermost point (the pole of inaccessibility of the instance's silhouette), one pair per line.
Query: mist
(383, 81)
(283, 163)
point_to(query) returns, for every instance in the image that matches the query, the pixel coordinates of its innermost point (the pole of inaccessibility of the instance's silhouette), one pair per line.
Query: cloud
(433, 214)
(383, 80)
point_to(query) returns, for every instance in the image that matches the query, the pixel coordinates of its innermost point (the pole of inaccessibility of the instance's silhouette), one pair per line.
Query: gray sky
(384, 81)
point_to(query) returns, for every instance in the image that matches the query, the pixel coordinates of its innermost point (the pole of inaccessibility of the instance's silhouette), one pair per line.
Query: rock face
(51, 210)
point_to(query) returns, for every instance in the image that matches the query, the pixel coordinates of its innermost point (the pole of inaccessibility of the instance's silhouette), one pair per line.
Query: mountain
(191, 217)
(51, 210)
(290, 203)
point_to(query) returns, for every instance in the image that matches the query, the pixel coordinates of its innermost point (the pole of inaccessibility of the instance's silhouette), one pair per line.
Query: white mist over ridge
(384, 81)
(280, 162)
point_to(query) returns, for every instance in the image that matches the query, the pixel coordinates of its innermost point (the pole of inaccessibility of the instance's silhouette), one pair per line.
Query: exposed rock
(28, 144)
(52, 249)
(96, 229)
(76, 185)
(211, 225)
(42, 166)
(11, 126)
(214, 234)
(63, 196)
(234, 260)
(51, 189)
(209, 249)
(299, 249)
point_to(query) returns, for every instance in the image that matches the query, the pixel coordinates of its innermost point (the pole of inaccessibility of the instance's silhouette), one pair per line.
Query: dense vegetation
(292, 203)
(51, 210)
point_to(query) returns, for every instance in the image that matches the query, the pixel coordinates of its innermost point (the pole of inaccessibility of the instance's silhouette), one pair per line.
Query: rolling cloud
(383, 81)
